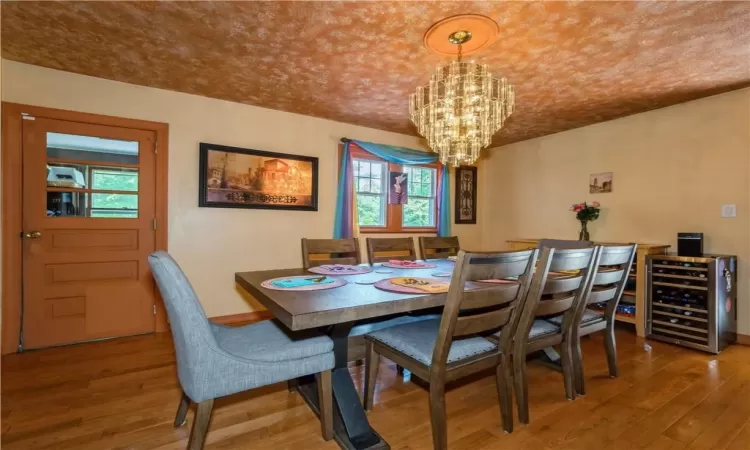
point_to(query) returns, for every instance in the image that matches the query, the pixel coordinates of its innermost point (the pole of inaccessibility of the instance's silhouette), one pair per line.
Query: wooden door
(88, 227)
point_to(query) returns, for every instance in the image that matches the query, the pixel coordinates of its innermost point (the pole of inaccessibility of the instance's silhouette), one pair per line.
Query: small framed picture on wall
(466, 195)
(600, 183)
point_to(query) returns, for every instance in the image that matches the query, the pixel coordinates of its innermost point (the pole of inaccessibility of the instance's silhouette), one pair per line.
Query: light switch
(728, 210)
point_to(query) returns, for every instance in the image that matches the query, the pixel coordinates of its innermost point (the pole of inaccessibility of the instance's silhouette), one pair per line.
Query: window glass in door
(91, 177)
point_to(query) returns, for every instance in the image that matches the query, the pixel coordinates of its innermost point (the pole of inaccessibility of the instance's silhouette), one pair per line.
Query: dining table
(335, 312)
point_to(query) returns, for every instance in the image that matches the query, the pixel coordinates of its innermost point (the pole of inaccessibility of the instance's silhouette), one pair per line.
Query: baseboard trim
(743, 339)
(242, 318)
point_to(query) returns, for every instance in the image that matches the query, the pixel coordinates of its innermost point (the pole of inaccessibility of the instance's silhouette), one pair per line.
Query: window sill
(378, 230)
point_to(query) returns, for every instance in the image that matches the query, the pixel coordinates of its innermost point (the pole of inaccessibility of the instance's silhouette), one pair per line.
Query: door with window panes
(88, 217)
(375, 214)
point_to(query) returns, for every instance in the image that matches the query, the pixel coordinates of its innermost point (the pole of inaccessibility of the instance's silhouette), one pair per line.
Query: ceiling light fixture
(463, 106)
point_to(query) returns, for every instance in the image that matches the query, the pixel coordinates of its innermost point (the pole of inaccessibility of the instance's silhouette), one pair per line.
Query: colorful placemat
(397, 264)
(431, 285)
(302, 283)
(340, 269)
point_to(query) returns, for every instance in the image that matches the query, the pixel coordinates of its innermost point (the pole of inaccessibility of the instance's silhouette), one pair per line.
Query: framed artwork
(232, 177)
(600, 183)
(466, 195)
(397, 190)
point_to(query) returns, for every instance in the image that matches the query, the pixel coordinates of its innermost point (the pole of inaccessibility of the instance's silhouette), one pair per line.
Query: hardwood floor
(123, 394)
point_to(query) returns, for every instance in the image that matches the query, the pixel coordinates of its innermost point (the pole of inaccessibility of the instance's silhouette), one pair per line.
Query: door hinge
(156, 146)
(154, 309)
(153, 223)
(27, 116)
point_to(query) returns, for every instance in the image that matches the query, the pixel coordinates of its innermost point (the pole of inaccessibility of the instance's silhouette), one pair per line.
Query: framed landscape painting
(232, 177)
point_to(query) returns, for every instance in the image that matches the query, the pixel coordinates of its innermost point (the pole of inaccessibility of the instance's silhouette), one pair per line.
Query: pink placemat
(413, 265)
(340, 269)
(268, 284)
(387, 285)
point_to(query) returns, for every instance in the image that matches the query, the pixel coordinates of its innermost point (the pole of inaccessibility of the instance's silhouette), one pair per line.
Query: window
(420, 209)
(375, 215)
(114, 204)
(369, 178)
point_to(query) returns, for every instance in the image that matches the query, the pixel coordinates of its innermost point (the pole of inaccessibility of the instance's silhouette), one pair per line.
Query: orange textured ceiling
(572, 63)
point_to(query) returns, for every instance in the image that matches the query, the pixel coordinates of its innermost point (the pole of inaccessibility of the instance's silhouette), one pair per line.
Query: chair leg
(200, 425)
(610, 346)
(437, 416)
(522, 387)
(566, 359)
(181, 418)
(504, 374)
(577, 356)
(292, 385)
(325, 398)
(372, 361)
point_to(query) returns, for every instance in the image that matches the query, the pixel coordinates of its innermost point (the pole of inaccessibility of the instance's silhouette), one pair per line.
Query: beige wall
(673, 169)
(211, 244)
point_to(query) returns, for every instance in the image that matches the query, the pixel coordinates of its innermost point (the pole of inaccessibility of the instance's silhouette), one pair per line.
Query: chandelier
(461, 108)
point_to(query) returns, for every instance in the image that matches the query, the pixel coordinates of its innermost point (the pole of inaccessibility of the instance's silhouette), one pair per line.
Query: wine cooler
(692, 301)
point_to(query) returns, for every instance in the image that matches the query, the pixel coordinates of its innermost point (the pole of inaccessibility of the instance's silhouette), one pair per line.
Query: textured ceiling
(572, 63)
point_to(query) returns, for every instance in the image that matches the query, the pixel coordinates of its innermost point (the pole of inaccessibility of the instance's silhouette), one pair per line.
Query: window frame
(394, 213)
(90, 205)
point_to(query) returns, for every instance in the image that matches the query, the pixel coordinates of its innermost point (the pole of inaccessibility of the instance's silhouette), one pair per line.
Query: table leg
(351, 429)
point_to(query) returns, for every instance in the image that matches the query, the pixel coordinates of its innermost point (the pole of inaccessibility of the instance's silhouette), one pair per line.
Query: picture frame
(465, 197)
(600, 183)
(234, 177)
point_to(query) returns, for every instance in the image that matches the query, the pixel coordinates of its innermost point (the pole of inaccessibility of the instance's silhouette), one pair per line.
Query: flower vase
(583, 235)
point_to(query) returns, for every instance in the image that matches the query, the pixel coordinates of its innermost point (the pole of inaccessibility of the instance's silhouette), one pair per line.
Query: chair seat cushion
(270, 341)
(542, 328)
(417, 340)
(589, 316)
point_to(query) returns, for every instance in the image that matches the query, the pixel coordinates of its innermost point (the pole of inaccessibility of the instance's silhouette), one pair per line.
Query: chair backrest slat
(385, 249)
(599, 295)
(485, 298)
(316, 252)
(472, 308)
(554, 305)
(556, 285)
(438, 247)
(608, 276)
(479, 323)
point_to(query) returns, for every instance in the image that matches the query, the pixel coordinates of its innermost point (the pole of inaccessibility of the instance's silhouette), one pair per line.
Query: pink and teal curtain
(345, 222)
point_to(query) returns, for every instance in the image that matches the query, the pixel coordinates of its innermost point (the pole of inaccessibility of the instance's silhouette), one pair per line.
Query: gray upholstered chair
(214, 361)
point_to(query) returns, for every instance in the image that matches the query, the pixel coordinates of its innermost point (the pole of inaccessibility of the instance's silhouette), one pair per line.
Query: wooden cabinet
(640, 277)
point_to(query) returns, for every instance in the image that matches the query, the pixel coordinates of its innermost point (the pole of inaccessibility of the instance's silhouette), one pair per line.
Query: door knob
(33, 235)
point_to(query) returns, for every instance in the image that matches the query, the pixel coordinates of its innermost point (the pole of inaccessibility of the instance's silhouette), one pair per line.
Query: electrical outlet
(728, 210)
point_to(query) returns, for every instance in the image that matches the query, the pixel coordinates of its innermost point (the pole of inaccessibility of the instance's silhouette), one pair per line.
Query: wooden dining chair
(454, 346)
(551, 295)
(316, 252)
(438, 247)
(608, 284)
(385, 249)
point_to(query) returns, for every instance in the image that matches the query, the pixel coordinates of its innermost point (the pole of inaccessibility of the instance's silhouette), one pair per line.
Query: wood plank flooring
(123, 394)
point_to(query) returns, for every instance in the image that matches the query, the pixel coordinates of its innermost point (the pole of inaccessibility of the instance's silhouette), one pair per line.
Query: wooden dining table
(335, 312)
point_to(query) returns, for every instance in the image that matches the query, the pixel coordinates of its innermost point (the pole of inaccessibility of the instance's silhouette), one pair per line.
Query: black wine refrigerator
(692, 301)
